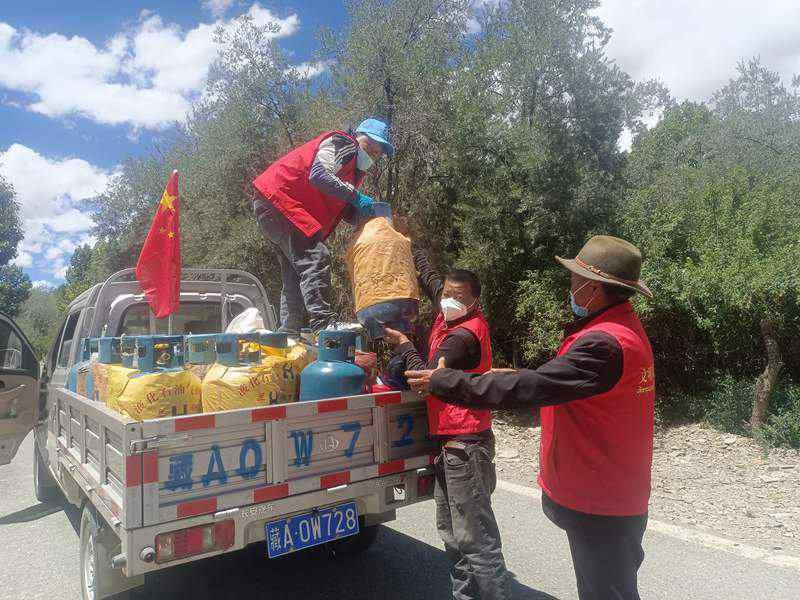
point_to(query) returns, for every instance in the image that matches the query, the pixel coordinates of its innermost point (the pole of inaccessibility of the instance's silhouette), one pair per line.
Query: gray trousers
(305, 270)
(465, 480)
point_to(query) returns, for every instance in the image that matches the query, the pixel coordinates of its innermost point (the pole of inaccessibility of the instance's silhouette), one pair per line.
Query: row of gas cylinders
(333, 374)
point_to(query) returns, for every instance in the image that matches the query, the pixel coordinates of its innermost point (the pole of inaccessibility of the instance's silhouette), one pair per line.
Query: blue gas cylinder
(333, 374)
(109, 350)
(398, 314)
(201, 349)
(156, 352)
(238, 348)
(86, 355)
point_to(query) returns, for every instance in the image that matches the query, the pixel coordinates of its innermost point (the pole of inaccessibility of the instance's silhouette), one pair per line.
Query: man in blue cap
(300, 199)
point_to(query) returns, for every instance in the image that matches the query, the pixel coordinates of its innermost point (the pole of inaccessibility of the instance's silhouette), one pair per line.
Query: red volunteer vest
(450, 419)
(596, 453)
(285, 184)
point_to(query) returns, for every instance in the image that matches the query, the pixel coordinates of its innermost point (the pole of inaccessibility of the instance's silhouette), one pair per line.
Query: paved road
(39, 559)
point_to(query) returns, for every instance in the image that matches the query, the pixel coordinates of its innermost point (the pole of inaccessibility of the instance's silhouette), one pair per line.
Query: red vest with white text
(451, 419)
(285, 184)
(596, 453)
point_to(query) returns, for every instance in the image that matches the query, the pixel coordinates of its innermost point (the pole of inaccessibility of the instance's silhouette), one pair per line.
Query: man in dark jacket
(464, 467)
(300, 199)
(596, 400)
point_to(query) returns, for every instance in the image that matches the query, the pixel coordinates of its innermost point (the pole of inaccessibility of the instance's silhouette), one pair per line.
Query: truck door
(19, 388)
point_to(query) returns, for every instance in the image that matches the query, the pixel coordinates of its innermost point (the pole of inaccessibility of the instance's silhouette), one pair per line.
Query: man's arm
(593, 365)
(333, 153)
(429, 280)
(460, 350)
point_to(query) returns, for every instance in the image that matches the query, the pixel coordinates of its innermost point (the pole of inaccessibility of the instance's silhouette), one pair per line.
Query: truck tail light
(195, 540)
(425, 484)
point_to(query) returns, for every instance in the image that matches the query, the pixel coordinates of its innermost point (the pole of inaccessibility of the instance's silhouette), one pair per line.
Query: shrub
(783, 423)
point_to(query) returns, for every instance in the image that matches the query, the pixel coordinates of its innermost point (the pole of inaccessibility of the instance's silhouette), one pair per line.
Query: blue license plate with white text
(311, 529)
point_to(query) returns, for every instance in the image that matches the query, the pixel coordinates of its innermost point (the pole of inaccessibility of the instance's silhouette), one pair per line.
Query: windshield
(191, 318)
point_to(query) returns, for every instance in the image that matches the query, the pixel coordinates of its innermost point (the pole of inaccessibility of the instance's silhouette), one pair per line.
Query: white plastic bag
(248, 321)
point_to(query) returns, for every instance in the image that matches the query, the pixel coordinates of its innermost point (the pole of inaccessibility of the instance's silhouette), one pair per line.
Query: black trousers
(606, 551)
(465, 480)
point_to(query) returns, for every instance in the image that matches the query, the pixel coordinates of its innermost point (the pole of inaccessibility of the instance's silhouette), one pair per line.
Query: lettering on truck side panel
(251, 459)
(406, 423)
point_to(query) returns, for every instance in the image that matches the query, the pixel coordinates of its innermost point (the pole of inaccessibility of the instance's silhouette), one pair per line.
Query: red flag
(159, 267)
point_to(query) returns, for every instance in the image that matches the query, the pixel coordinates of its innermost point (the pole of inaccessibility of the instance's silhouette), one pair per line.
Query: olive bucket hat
(609, 260)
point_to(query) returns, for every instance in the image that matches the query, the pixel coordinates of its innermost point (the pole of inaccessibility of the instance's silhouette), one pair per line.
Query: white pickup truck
(163, 492)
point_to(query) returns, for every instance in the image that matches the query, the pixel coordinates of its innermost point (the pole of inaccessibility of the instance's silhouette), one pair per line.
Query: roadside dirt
(703, 479)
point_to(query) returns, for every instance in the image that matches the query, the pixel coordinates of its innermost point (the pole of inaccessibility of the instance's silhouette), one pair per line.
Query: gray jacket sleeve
(333, 153)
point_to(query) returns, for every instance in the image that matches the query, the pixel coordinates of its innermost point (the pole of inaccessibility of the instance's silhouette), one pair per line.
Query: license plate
(311, 529)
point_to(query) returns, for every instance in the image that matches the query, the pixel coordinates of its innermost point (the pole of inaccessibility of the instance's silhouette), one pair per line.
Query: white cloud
(41, 284)
(477, 7)
(145, 76)
(308, 70)
(694, 46)
(51, 194)
(23, 259)
(217, 7)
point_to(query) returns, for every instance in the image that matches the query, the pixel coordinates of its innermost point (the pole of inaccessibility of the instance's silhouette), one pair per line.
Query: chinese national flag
(159, 267)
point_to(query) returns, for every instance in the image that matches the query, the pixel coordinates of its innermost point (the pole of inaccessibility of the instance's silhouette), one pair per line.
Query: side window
(66, 340)
(15, 353)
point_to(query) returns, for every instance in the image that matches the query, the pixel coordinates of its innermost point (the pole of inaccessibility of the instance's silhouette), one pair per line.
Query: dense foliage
(14, 284)
(506, 156)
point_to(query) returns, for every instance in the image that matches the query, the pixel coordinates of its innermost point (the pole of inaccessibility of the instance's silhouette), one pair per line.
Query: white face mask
(364, 161)
(452, 309)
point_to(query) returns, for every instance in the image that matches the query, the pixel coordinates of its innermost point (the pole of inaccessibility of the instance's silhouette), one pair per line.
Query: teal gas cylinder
(238, 349)
(333, 374)
(157, 352)
(82, 368)
(200, 349)
(109, 350)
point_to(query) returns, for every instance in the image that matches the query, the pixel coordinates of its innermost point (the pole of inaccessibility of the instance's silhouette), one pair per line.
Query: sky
(85, 87)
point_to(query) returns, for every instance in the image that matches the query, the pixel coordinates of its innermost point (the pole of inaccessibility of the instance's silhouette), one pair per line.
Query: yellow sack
(230, 387)
(380, 265)
(109, 381)
(276, 380)
(143, 396)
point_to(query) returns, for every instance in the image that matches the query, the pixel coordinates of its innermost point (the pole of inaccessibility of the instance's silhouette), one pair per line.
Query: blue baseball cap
(378, 131)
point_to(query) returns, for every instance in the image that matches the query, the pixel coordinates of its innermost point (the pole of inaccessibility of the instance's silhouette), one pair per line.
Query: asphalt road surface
(39, 559)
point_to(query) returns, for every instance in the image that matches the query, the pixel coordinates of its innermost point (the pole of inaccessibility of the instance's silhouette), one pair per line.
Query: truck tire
(356, 544)
(44, 485)
(91, 537)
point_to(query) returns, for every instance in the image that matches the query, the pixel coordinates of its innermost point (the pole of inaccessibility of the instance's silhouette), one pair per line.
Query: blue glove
(364, 205)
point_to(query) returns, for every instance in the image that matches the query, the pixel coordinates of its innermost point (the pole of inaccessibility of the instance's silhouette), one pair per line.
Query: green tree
(15, 285)
(39, 319)
(713, 201)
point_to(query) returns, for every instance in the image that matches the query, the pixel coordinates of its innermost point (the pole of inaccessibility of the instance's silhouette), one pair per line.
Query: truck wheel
(43, 483)
(92, 571)
(356, 544)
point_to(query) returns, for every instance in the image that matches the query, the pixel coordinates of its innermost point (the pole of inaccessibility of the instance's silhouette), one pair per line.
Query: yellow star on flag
(167, 201)
(171, 234)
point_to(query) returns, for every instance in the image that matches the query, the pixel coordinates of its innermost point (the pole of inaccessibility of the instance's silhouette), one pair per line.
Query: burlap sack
(143, 396)
(380, 264)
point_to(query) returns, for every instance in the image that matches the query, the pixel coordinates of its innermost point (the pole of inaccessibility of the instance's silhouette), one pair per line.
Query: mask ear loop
(591, 298)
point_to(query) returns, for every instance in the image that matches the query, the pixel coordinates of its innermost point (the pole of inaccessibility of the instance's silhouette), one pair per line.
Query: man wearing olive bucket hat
(596, 400)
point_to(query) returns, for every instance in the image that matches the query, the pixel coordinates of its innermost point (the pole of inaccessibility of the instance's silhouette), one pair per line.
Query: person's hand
(365, 205)
(394, 338)
(419, 381)
(503, 370)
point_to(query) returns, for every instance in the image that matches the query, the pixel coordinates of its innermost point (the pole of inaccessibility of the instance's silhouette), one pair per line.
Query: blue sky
(85, 84)
(83, 88)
